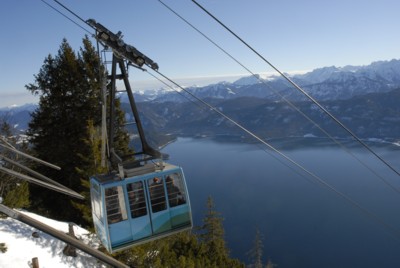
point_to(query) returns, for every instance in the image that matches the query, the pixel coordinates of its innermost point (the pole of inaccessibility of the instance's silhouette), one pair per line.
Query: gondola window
(115, 204)
(137, 201)
(157, 194)
(175, 190)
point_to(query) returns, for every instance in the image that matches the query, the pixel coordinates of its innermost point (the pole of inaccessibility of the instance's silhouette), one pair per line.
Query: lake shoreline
(309, 140)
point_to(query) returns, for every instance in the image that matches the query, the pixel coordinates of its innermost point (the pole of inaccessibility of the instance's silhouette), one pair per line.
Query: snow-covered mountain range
(364, 96)
(328, 83)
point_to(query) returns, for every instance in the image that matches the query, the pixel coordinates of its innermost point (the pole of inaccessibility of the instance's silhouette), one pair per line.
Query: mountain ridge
(360, 96)
(327, 83)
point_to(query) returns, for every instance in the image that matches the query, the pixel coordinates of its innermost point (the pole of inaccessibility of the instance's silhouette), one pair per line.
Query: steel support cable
(76, 15)
(258, 145)
(283, 98)
(98, 41)
(68, 18)
(276, 69)
(393, 230)
(247, 69)
(301, 90)
(240, 126)
(51, 184)
(41, 183)
(209, 39)
(30, 157)
(37, 174)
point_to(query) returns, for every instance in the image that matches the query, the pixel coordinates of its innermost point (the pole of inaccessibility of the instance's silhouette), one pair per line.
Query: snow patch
(230, 91)
(22, 246)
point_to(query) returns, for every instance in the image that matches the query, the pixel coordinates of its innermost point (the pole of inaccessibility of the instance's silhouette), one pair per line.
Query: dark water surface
(303, 222)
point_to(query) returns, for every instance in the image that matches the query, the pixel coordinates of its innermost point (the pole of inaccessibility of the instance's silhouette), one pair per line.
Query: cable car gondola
(140, 198)
(144, 206)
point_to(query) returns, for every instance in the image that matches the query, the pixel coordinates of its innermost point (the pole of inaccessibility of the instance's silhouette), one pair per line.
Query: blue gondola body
(139, 208)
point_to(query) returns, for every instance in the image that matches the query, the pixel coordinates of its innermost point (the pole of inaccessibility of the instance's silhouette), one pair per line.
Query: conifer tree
(212, 237)
(256, 252)
(212, 233)
(57, 129)
(69, 110)
(93, 156)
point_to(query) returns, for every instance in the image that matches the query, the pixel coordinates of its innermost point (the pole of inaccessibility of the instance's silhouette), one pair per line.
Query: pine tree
(212, 237)
(94, 157)
(56, 130)
(61, 130)
(257, 251)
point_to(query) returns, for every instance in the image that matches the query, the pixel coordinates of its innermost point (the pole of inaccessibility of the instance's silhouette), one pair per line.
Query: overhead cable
(194, 101)
(283, 98)
(73, 13)
(393, 230)
(301, 90)
(68, 18)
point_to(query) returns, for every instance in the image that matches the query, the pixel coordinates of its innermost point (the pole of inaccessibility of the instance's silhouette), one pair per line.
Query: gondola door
(117, 218)
(160, 217)
(178, 202)
(140, 214)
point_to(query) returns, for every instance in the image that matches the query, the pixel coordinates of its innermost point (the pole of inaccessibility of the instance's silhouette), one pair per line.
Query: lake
(304, 224)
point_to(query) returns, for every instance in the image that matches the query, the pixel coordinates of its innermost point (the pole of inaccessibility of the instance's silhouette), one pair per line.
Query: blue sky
(293, 35)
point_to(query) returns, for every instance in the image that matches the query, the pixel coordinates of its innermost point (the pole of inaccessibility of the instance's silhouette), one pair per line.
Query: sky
(293, 35)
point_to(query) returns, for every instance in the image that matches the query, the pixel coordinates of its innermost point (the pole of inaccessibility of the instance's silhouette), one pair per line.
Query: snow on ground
(22, 246)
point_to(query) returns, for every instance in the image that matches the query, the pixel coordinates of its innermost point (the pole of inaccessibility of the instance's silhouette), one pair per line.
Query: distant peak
(14, 107)
(248, 80)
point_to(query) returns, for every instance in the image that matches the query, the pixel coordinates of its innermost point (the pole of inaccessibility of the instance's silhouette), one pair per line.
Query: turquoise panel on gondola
(180, 216)
(120, 233)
